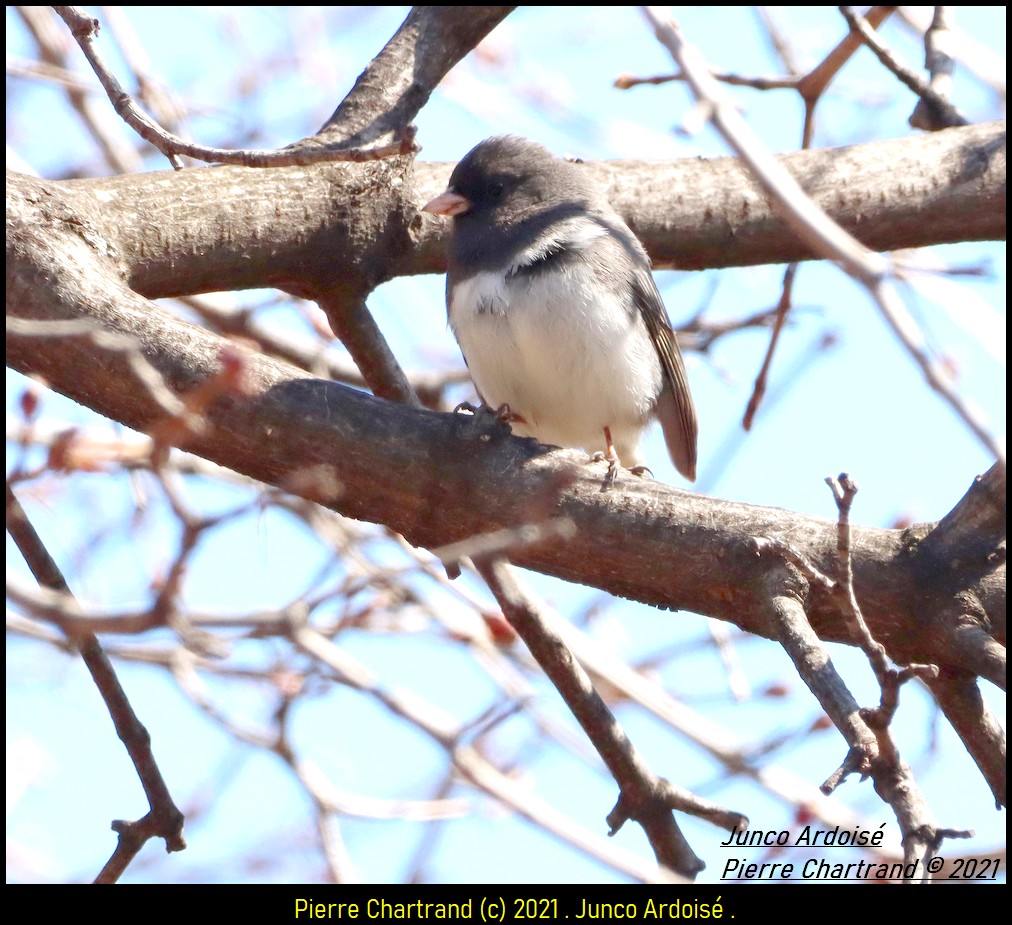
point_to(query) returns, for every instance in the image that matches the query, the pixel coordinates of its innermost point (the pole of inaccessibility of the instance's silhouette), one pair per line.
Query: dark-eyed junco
(551, 298)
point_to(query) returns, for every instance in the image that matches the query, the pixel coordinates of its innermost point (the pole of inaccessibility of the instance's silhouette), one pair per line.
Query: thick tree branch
(73, 253)
(349, 227)
(397, 83)
(439, 478)
(711, 213)
(959, 697)
(84, 258)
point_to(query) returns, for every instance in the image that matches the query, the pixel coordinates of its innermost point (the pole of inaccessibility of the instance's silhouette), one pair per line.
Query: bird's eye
(496, 190)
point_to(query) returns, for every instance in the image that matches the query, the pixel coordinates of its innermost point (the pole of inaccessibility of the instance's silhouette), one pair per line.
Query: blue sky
(859, 405)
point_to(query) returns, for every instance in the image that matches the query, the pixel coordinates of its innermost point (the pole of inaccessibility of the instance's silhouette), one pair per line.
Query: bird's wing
(675, 409)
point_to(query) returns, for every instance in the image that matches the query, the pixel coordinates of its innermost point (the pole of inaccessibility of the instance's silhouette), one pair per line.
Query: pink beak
(447, 203)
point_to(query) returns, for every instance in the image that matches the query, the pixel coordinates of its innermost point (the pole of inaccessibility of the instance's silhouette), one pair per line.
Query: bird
(552, 301)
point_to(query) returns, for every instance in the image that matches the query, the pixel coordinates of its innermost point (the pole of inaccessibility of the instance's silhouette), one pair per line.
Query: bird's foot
(614, 465)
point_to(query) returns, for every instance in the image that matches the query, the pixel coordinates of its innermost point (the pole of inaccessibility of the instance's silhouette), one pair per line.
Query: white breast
(564, 352)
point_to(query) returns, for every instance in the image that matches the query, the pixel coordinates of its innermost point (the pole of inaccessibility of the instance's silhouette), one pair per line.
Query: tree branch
(438, 478)
(357, 225)
(163, 820)
(397, 83)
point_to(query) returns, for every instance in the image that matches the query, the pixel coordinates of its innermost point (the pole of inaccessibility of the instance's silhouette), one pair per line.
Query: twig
(468, 760)
(940, 61)
(814, 83)
(809, 86)
(627, 81)
(980, 731)
(844, 489)
(783, 308)
(356, 328)
(975, 57)
(312, 355)
(643, 796)
(872, 752)
(101, 124)
(945, 115)
(84, 28)
(813, 226)
(164, 820)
